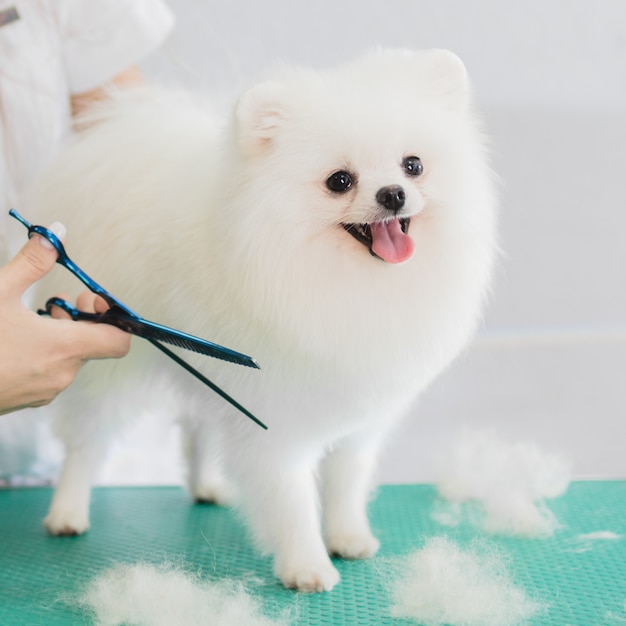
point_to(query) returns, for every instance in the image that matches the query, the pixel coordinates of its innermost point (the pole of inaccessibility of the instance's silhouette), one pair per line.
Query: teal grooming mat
(582, 581)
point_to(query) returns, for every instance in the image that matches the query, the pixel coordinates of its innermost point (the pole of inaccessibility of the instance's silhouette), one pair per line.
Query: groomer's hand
(40, 356)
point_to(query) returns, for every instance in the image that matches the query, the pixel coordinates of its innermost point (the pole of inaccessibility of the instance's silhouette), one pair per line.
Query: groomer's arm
(40, 356)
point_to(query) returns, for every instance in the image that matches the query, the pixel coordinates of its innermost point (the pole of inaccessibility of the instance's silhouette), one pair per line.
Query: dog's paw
(352, 545)
(63, 523)
(307, 577)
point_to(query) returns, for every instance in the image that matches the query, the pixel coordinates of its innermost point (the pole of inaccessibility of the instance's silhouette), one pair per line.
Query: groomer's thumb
(31, 263)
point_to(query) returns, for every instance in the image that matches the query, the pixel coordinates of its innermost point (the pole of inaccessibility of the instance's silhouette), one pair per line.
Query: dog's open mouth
(388, 240)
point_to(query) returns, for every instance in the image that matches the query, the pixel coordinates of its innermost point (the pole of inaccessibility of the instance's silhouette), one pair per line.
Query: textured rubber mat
(581, 580)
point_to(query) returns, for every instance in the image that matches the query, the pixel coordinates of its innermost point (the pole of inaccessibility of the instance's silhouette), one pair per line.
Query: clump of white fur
(509, 481)
(443, 584)
(150, 595)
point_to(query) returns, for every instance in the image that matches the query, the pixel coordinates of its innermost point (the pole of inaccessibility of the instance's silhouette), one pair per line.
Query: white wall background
(550, 75)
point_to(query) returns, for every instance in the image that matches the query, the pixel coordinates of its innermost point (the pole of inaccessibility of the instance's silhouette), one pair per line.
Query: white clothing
(58, 48)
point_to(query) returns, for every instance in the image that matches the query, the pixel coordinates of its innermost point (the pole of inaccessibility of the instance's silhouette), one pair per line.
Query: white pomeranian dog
(340, 227)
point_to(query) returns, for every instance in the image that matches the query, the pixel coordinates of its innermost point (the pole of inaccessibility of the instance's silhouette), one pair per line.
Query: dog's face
(362, 155)
(359, 193)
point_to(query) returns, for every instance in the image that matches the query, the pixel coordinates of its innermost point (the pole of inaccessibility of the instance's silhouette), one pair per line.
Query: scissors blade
(151, 330)
(218, 390)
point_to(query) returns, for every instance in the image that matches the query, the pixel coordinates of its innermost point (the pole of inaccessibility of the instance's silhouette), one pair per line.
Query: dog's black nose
(391, 197)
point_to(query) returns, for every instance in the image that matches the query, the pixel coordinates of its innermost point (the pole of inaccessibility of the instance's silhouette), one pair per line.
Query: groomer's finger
(86, 302)
(30, 264)
(100, 304)
(100, 341)
(95, 341)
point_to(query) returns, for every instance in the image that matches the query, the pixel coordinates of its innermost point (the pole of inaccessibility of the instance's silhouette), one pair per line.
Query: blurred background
(549, 76)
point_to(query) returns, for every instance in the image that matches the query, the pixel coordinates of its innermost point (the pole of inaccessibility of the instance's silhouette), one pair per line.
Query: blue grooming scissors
(123, 317)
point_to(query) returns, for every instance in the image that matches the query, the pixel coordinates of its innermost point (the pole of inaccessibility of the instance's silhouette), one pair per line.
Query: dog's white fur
(226, 229)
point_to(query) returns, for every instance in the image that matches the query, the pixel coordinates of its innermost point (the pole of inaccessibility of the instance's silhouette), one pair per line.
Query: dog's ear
(259, 114)
(446, 77)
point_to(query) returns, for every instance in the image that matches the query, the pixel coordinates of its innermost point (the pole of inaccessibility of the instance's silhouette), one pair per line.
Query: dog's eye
(412, 166)
(339, 182)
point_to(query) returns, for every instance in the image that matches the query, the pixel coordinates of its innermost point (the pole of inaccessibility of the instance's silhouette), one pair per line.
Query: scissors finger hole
(59, 308)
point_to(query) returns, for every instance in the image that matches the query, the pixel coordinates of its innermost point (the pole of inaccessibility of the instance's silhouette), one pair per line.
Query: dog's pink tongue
(390, 243)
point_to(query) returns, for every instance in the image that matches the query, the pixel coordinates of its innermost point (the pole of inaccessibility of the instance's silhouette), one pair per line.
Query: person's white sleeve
(101, 38)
